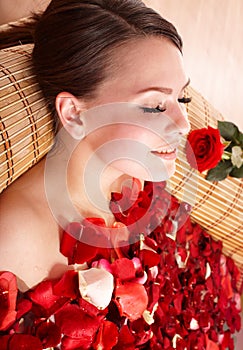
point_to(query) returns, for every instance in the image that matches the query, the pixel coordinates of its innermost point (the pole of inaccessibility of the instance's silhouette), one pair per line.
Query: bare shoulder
(16, 214)
(20, 211)
(29, 239)
(19, 226)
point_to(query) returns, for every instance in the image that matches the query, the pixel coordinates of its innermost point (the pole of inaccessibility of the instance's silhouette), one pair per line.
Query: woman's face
(149, 74)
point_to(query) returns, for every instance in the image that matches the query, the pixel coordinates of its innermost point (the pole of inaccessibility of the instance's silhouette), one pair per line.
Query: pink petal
(131, 299)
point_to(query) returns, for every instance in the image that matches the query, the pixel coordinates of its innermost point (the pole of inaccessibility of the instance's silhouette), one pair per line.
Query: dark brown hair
(74, 41)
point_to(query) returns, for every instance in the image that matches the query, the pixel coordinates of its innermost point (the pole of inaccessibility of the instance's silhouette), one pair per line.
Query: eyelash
(158, 109)
(185, 100)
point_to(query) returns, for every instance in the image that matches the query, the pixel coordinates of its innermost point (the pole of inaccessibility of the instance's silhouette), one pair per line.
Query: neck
(78, 185)
(91, 189)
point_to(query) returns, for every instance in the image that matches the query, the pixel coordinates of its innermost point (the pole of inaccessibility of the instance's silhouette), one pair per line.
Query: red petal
(8, 295)
(49, 334)
(23, 306)
(226, 285)
(80, 251)
(149, 258)
(84, 252)
(107, 336)
(97, 221)
(123, 269)
(126, 340)
(43, 295)
(90, 309)
(4, 339)
(182, 253)
(131, 299)
(23, 342)
(69, 240)
(67, 286)
(75, 323)
(93, 239)
(7, 319)
(228, 342)
(178, 302)
(151, 243)
(76, 343)
(181, 235)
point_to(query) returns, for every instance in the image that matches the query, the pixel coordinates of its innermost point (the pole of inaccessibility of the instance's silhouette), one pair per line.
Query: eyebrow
(164, 90)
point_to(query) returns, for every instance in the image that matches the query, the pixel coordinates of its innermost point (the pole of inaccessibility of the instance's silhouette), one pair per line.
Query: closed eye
(185, 100)
(158, 109)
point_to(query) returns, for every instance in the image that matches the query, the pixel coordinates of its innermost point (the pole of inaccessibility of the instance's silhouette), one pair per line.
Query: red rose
(204, 148)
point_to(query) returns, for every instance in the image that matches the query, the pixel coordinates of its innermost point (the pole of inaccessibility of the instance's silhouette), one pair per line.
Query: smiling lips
(168, 153)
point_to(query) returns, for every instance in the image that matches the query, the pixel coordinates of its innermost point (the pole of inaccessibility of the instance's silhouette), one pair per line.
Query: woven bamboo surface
(26, 136)
(25, 122)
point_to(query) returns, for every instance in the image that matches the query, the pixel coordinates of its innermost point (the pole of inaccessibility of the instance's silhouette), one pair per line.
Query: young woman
(112, 74)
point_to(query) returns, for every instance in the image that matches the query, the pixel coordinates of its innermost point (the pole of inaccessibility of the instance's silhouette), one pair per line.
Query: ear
(69, 109)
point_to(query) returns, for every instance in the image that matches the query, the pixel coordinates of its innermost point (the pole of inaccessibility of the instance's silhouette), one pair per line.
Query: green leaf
(237, 172)
(220, 172)
(240, 139)
(229, 131)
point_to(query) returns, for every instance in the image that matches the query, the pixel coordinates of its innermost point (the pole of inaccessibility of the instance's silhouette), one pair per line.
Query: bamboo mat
(26, 136)
(25, 122)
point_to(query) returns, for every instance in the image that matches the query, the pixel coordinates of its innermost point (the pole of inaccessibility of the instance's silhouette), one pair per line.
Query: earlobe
(69, 109)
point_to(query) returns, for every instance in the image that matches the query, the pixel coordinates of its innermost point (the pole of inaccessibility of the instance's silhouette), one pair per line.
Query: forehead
(145, 62)
(149, 55)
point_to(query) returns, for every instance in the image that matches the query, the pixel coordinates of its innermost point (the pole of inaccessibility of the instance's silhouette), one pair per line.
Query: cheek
(122, 132)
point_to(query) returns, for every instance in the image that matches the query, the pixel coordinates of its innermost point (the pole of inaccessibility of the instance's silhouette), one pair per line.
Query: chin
(162, 172)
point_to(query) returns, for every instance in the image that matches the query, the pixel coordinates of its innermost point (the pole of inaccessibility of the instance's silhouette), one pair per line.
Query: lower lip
(166, 156)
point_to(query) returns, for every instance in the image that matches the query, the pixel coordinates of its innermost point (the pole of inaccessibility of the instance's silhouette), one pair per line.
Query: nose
(179, 118)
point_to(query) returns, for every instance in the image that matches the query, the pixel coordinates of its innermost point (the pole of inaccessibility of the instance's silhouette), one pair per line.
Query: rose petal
(96, 286)
(8, 295)
(69, 343)
(76, 323)
(123, 269)
(149, 258)
(227, 287)
(69, 241)
(67, 286)
(126, 341)
(43, 295)
(4, 340)
(107, 336)
(102, 264)
(49, 334)
(131, 299)
(23, 306)
(20, 342)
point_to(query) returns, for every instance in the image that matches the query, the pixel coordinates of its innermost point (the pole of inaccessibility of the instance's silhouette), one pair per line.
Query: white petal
(174, 340)
(96, 286)
(194, 324)
(236, 157)
(208, 271)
